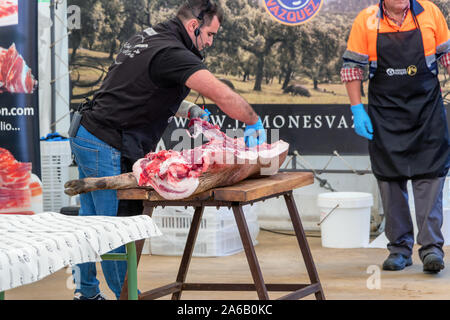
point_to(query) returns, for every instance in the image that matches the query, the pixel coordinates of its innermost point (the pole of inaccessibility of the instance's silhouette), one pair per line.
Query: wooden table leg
(139, 246)
(303, 243)
(188, 250)
(246, 238)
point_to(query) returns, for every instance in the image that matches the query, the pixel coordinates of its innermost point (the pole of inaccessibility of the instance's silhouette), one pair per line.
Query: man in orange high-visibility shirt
(402, 41)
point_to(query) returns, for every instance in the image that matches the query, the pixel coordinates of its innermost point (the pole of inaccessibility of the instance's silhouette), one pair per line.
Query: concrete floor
(346, 274)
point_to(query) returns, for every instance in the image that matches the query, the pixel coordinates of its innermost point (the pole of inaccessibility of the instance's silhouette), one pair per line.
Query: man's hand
(191, 110)
(196, 112)
(363, 124)
(255, 134)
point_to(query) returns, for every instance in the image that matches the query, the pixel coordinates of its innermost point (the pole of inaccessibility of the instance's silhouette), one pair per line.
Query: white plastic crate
(218, 234)
(56, 157)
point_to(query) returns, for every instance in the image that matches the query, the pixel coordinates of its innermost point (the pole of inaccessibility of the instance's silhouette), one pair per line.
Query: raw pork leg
(223, 161)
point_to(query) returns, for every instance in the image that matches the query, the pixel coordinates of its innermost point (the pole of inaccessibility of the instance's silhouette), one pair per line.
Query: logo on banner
(293, 12)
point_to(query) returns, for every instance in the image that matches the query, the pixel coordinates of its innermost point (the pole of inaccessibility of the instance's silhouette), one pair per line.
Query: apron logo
(397, 72)
(292, 12)
(412, 71)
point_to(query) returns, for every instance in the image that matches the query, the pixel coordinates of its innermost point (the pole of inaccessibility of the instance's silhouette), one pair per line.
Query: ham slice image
(13, 174)
(15, 178)
(15, 75)
(174, 175)
(8, 8)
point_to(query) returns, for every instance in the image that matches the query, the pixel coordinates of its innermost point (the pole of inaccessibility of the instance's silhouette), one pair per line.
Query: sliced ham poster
(19, 109)
(15, 75)
(9, 12)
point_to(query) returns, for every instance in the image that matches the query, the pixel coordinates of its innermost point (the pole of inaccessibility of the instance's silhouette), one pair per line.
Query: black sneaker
(98, 296)
(433, 263)
(396, 262)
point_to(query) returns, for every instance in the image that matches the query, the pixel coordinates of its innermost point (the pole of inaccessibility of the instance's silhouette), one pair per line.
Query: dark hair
(203, 10)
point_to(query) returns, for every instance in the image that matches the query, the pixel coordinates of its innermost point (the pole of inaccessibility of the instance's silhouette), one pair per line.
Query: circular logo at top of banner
(293, 12)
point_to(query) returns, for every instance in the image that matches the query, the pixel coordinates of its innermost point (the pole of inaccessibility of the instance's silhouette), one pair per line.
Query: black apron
(136, 143)
(140, 140)
(407, 111)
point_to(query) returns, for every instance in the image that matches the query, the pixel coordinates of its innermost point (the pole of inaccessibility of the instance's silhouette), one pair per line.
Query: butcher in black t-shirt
(144, 89)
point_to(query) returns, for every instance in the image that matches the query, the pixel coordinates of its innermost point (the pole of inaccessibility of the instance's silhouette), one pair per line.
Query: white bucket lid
(345, 200)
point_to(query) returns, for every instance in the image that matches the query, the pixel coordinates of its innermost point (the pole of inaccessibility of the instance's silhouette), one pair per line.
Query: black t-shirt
(173, 66)
(132, 108)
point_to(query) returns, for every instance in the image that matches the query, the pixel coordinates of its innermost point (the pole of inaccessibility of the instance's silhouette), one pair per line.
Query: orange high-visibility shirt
(363, 37)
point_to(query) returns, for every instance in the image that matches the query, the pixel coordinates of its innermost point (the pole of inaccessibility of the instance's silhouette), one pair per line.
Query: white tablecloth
(33, 247)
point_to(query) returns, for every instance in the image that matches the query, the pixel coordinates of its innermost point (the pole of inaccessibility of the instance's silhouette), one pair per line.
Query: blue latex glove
(255, 135)
(207, 115)
(363, 125)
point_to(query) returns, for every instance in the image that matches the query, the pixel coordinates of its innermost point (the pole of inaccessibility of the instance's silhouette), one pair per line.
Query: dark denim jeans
(97, 159)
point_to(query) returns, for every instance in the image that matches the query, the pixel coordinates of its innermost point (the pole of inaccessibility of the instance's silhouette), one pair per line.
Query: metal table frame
(130, 256)
(176, 288)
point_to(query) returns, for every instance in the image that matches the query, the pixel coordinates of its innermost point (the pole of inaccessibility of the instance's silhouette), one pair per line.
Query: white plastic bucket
(348, 225)
(446, 226)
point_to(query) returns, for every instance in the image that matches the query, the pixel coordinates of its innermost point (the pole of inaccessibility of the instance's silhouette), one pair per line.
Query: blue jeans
(95, 158)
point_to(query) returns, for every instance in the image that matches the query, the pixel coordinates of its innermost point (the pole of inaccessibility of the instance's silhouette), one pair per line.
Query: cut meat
(174, 175)
(8, 8)
(169, 173)
(15, 193)
(15, 75)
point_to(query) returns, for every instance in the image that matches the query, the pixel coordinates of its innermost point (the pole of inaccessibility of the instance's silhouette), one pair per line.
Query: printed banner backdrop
(19, 109)
(290, 74)
(269, 51)
(309, 129)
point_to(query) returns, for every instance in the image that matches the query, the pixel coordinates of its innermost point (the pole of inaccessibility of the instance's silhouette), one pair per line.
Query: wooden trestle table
(246, 192)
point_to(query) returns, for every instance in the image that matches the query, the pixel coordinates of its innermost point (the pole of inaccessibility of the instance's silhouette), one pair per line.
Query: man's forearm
(448, 69)
(237, 108)
(231, 103)
(354, 91)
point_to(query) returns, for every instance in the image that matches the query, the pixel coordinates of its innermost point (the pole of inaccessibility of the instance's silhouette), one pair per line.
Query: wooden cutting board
(247, 190)
(152, 195)
(253, 189)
